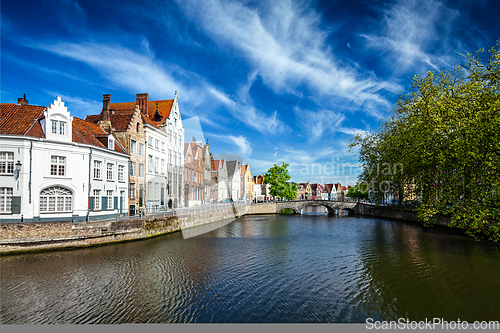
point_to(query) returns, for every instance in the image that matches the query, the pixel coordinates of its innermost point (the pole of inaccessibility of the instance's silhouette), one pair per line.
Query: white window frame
(97, 169)
(109, 171)
(133, 145)
(56, 199)
(62, 128)
(132, 168)
(150, 141)
(6, 200)
(97, 199)
(6, 163)
(54, 126)
(121, 173)
(58, 167)
(150, 163)
(110, 199)
(141, 148)
(141, 170)
(162, 166)
(157, 164)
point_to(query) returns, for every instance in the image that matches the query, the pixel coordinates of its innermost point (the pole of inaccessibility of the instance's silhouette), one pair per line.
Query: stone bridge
(331, 206)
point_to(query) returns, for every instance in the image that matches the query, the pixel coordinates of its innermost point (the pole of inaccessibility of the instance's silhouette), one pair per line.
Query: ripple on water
(272, 269)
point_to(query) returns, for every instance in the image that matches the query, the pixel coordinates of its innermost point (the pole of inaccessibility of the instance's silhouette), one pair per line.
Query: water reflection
(314, 210)
(269, 268)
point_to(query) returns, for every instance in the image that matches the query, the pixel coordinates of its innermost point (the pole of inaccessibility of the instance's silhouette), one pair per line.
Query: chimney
(143, 101)
(194, 139)
(23, 100)
(106, 101)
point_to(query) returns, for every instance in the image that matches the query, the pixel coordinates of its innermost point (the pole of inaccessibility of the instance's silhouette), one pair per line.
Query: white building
(69, 169)
(219, 185)
(234, 179)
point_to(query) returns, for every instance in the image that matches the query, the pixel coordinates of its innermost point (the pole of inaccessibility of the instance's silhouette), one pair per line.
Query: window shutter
(116, 203)
(91, 203)
(16, 205)
(104, 203)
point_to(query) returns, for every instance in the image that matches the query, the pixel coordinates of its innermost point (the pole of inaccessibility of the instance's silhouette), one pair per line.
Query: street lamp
(17, 170)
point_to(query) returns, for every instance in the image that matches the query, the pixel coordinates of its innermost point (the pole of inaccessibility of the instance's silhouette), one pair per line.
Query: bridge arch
(330, 205)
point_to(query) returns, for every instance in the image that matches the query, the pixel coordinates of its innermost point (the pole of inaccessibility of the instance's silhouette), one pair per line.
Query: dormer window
(111, 143)
(62, 127)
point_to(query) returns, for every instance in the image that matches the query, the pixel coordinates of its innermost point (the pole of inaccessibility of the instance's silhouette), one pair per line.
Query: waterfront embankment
(43, 236)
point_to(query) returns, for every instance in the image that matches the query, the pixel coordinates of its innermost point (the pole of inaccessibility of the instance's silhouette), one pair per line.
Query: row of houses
(130, 157)
(316, 191)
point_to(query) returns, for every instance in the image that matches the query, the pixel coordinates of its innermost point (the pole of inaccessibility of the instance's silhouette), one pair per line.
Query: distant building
(233, 179)
(219, 185)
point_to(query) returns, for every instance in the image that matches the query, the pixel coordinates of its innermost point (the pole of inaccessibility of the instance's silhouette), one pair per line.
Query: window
(141, 170)
(163, 146)
(132, 191)
(132, 168)
(150, 141)
(97, 169)
(137, 127)
(157, 164)
(170, 156)
(97, 199)
(56, 199)
(54, 126)
(109, 194)
(121, 170)
(133, 145)
(6, 163)
(109, 174)
(5, 199)
(111, 143)
(62, 127)
(57, 165)
(162, 166)
(150, 163)
(157, 144)
(141, 149)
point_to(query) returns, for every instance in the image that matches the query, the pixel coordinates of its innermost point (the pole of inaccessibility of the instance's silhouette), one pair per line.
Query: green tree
(441, 146)
(358, 191)
(277, 176)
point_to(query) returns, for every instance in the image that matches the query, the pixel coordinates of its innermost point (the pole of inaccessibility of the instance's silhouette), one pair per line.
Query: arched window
(56, 199)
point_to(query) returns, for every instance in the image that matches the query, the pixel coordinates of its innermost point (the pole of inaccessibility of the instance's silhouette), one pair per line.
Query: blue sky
(270, 81)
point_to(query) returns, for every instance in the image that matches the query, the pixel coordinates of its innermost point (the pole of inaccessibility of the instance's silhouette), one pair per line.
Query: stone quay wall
(29, 236)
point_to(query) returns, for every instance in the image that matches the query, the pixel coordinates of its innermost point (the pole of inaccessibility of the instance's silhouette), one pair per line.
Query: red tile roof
(215, 165)
(25, 120)
(243, 169)
(20, 119)
(164, 108)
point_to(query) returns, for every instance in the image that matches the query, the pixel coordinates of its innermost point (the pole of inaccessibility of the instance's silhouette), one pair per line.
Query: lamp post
(17, 170)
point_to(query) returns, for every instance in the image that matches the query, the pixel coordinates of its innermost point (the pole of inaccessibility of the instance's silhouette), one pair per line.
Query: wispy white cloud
(320, 123)
(415, 32)
(141, 71)
(286, 45)
(244, 146)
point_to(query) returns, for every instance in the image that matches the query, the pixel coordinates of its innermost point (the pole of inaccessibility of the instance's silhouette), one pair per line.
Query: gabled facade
(207, 170)
(153, 133)
(233, 179)
(219, 185)
(194, 173)
(247, 184)
(70, 169)
(331, 191)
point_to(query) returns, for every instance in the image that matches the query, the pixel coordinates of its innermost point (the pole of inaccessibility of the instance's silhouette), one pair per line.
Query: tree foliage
(358, 191)
(277, 176)
(442, 147)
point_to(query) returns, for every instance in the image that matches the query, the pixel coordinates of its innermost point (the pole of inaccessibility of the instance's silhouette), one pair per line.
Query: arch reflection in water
(314, 210)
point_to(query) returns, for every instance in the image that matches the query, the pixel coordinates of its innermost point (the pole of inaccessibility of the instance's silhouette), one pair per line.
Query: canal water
(264, 268)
